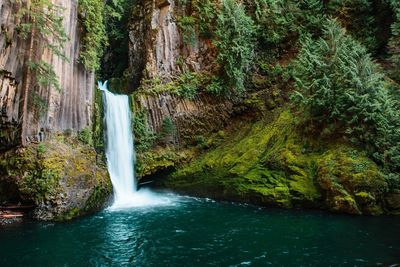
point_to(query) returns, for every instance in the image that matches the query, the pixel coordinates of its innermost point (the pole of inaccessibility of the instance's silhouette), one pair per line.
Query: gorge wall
(157, 48)
(158, 51)
(46, 110)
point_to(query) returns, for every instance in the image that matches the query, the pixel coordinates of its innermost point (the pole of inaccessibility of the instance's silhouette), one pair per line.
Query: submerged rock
(273, 164)
(60, 177)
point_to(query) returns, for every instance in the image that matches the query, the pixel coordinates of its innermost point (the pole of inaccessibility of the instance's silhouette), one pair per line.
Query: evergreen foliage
(42, 23)
(168, 128)
(357, 16)
(342, 89)
(394, 42)
(276, 20)
(207, 12)
(115, 61)
(187, 25)
(235, 42)
(94, 36)
(144, 137)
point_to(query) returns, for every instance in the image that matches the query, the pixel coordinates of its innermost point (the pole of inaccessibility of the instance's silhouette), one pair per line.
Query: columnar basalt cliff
(31, 114)
(157, 51)
(157, 48)
(42, 161)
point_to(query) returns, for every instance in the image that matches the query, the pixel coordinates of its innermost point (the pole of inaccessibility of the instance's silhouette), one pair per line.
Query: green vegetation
(41, 23)
(394, 42)
(94, 38)
(273, 163)
(86, 136)
(235, 42)
(344, 92)
(144, 137)
(187, 85)
(276, 20)
(208, 12)
(187, 25)
(168, 128)
(117, 17)
(60, 177)
(358, 18)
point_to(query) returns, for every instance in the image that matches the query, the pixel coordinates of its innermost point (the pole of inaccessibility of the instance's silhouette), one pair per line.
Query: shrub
(187, 26)
(344, 91)
(276, 20)
(144, 137)
(94, 35)
(168, 128)
(235, 42)
(187, 85)
(207, 12)
(86, 136)
(394, 42)
(216, 86)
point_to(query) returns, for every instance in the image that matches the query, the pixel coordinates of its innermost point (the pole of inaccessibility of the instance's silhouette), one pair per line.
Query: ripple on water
(184, 231)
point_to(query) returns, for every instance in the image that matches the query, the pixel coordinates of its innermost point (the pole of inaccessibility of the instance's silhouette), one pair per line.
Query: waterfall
(121, 156)
(119, 145)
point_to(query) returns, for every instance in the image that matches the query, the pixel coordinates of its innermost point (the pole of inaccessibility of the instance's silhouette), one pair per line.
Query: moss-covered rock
(60, 177)
(272, 163)
(159, 160)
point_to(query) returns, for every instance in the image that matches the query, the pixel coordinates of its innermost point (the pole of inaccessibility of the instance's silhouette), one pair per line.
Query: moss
(63, 180)
(345, 172)
(68, 215)
(160, 159)
(272, 163)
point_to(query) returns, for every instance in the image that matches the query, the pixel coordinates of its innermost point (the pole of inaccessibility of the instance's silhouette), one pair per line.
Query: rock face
(156, 43)
(272, 164)
(157, 51)
(48, 110)
(60, 177)
(199, 116)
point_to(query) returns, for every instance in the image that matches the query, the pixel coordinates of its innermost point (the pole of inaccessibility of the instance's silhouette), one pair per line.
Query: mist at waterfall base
(121, 157)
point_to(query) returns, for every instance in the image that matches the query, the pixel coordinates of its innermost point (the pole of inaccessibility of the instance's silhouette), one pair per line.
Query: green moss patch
(272, 163)
(61, 177)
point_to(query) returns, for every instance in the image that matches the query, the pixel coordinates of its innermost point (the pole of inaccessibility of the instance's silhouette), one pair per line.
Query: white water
(120, 155)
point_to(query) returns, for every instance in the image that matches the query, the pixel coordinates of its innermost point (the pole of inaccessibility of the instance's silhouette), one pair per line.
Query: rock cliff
(158, 52)
(30, 115)
(157, 48)
(42, 162)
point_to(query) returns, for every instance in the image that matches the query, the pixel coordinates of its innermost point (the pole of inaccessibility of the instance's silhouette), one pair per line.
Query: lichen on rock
(60, 177)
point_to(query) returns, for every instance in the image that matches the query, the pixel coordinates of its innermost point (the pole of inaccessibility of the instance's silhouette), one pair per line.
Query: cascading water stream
(121, 157)
(120, 148)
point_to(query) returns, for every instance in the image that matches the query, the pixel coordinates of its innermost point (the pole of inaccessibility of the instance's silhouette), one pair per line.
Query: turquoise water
(200, 232)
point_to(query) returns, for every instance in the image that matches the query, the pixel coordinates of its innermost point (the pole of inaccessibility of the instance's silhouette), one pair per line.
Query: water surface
(199, 232)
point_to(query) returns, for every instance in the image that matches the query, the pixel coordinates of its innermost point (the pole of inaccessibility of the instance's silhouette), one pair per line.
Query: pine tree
(235, 42)
(344, 91)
